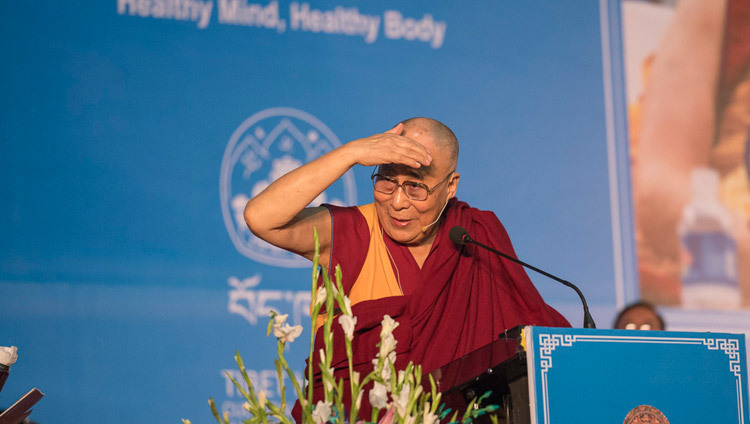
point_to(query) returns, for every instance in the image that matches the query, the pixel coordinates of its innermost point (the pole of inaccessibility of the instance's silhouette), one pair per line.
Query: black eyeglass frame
(408, 183)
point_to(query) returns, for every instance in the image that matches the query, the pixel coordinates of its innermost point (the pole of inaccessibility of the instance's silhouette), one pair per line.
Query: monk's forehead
(436, 169)
(398, 169)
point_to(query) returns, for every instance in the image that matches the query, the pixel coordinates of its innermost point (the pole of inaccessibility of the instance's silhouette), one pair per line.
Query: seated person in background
(395, 254)
(639, 316)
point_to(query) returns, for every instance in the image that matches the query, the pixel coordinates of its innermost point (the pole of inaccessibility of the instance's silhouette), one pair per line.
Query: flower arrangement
(400, 394)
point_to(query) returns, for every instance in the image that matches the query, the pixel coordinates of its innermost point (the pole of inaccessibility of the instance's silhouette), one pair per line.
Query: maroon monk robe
(462, 299)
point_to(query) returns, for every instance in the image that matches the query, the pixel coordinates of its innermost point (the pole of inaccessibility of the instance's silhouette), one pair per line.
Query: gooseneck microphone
(460, 236)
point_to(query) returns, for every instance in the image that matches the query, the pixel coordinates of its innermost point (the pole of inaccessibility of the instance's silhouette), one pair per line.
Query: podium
(544, 375)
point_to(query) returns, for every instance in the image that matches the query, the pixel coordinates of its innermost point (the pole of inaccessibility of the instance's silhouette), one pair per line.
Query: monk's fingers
(398, 129)
(408, 147)
(391, 148)
(407, 155)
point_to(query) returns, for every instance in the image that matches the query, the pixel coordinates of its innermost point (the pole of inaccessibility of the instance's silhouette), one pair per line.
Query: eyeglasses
(412, 189)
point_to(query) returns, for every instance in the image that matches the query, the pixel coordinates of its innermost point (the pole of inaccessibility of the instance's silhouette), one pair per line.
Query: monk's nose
(399, 199)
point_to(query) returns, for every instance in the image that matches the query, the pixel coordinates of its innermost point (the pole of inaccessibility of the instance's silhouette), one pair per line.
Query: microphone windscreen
(457, 234)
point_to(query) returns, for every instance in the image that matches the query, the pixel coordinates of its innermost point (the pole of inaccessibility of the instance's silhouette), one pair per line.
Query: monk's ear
(453, 185)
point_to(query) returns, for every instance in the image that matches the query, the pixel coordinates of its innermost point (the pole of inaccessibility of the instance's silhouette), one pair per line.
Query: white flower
(322, 354)
(401, 400)
(386, 373)
(387, 326)
(8, 355)
(246, 406)
(427, 416)
(262, 398)
(358, 402)
(348, 322)
(279, 320)
(417, 392)
(322, 412)
(387, 345)
(347, 306)
(355, 378)
(378, 396)
(401, 376)
(391, 357)
(328, 382)
(320, 297)
(285, 333)
(410, 419)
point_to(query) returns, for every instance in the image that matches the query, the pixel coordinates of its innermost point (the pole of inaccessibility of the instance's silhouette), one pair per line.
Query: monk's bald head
(443, 136)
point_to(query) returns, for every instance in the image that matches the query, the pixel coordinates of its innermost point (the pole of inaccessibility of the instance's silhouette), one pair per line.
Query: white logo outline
(240, 141)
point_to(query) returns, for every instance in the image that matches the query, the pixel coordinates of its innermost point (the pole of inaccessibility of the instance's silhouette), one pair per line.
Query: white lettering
(205, 14)
(396, 27)
(266, 380)
(229, 386)
(123, 4)
(197, 11)
(255, 304)
(238, 12)
(340, 20)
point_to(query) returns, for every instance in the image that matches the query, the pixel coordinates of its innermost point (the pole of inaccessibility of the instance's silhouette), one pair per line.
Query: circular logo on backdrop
(264, 147)
(645, 414)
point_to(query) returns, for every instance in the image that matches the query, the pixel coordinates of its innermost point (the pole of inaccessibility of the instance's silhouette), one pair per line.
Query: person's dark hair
(640, 304)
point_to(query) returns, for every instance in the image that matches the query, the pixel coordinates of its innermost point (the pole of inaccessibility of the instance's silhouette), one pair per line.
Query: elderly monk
(395, 254)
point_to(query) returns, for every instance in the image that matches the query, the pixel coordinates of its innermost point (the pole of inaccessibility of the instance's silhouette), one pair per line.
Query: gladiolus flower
(387, 326)
(328, 382)
(358, 402)
(279, 319)
(322, 412)
(386, 372)
(283, 331)
(321, 296)
(262, 398)
(348, 322)
(387, 345)
(378, 396)
(401, 400)
(347, 306)
(427, 416)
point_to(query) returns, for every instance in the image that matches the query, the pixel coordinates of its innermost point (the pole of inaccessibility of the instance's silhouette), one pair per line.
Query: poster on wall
(688, 90)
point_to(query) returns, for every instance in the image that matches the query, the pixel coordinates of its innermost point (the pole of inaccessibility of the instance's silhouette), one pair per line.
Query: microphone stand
(588, 320)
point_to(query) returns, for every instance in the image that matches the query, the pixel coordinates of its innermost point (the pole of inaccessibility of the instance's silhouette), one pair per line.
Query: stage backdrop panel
(134, 131)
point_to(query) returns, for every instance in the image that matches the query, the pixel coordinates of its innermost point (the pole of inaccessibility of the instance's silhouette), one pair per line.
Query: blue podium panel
(624, 376)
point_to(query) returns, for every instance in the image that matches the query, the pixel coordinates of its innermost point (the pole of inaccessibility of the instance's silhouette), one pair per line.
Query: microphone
(460, 236)
(424, 228)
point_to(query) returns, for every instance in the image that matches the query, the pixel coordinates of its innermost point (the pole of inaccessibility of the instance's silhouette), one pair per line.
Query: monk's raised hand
(390, 147)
